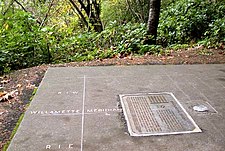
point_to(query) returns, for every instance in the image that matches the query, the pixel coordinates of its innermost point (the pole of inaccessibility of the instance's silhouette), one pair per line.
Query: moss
(33, 94)
(13, 132)
(18, 122)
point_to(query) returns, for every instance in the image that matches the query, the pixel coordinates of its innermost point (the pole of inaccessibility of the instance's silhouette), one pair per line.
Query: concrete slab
(75, 109)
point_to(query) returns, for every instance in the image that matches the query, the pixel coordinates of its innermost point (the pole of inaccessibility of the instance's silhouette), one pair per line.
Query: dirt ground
(16, 88)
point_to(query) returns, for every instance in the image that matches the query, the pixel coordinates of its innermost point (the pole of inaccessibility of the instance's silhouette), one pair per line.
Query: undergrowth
(183, 23)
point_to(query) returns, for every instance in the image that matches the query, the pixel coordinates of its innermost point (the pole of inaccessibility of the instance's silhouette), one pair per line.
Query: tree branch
(141, 7)
(46, 15)
(12, 1)
(130, 8)
(21, 5)
(26, 10)
(79, 12)
(83, 6)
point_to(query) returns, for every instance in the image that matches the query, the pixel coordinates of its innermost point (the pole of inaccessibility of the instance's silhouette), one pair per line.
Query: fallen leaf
(8, 96)
(118, 55)
(18, 85)
(2, 111)
(30, 86)
(2, 93)
(147, 54)
(130, 57)
(5, 81)
(163, 58)
(199, 47)
(170, 57)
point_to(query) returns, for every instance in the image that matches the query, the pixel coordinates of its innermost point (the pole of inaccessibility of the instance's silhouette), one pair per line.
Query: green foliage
(124, 38)
(109, 14)
(33, 94)
(63, 38)
(115, 39)
(22, 45)
(124, 11)
(216, 31)
(191, 20)
(166, 3)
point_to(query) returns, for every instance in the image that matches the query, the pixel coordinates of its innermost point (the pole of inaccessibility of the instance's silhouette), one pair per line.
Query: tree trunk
(95, 16)
(91, 14)
(153, 20)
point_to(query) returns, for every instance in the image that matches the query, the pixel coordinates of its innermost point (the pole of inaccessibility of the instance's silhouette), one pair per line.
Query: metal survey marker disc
(156, 114)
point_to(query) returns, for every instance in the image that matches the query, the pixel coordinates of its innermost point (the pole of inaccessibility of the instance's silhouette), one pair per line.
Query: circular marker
(200, 108)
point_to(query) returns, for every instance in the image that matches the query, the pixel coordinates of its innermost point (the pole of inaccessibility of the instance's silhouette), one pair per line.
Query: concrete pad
(75, 109)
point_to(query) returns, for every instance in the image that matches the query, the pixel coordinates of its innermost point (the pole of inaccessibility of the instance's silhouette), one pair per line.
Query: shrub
(191, 20)
(115, 39)
(22, 44)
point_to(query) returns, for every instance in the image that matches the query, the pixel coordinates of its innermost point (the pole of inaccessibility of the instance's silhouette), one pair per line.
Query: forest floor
(17, 87)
